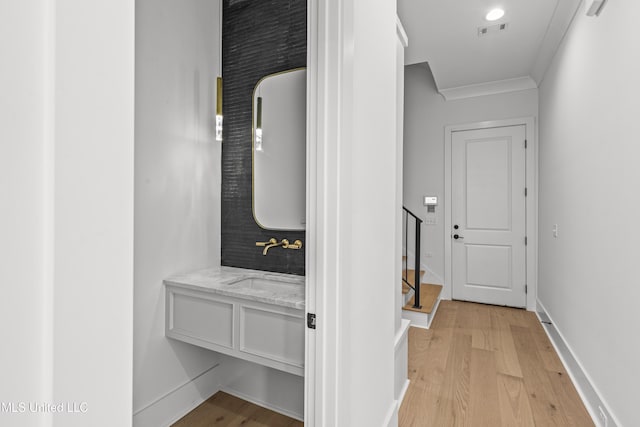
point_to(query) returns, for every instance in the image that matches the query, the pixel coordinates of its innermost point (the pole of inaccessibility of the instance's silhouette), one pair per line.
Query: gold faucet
(267, 245)
(295, 245)
(272, 243)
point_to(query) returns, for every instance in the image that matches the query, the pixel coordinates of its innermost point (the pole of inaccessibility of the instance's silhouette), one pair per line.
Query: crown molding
(489, 88)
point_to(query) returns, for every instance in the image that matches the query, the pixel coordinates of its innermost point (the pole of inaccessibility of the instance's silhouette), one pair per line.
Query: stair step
(405, 288)
(410, 275)
(428, 297)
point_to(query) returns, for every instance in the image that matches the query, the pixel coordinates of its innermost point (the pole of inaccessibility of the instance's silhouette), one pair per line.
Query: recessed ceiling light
(495, 14)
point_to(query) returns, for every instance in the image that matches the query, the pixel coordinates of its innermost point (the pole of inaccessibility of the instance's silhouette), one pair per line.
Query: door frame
(340, 109)
(531, 215)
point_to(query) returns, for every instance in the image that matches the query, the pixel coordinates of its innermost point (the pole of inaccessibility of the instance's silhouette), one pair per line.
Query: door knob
(455, 227)
(457, 236)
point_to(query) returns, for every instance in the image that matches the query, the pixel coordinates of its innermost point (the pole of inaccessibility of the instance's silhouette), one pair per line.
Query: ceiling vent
(492, 29)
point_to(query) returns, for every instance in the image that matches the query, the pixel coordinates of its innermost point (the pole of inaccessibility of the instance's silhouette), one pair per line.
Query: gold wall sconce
(219, 109)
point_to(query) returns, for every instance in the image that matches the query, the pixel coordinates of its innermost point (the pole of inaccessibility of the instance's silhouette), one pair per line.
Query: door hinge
(525, 144)
(311, 320)
(525, 289)
(525, 240)
(525, 191)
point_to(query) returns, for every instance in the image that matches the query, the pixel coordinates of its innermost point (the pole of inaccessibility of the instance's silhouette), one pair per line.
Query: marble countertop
(289, 291)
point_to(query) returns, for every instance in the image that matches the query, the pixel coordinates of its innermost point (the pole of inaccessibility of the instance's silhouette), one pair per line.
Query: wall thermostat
(430, 200)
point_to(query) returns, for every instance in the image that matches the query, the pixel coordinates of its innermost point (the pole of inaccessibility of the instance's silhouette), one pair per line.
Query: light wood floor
(477, 366)
(224, 410)
(483, 365)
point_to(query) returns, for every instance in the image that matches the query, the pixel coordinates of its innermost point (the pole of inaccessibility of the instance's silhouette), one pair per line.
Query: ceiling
(444, 33)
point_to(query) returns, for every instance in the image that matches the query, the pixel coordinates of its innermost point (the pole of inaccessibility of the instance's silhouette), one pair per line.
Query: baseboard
(401, 361)
(435, 310)
(590, 396)
(177, 403)
(391, 420)
(404, 328)
(403, 392)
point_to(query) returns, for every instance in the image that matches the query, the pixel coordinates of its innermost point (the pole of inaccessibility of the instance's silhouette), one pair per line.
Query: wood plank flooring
(477, 366)
(224, 410)
(482, 365)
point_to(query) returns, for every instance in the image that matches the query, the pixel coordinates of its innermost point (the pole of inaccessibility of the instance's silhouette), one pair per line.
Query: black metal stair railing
(416, 222)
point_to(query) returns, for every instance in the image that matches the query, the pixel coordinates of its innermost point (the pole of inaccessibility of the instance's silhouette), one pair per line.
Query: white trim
(560, 23)
(262, 403)
(178, 402)
(422, 320)
(326, 62)
(391, 420)
(585, 386)
(335, 145)
(418, 320)
(402, 332)
(488, 88)
(402, 34)
(403, 393)
(311, 368)
(434, 311)
(401, 357)
(532, 201)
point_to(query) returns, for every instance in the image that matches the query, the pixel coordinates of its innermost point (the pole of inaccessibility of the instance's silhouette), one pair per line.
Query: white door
(488, 222)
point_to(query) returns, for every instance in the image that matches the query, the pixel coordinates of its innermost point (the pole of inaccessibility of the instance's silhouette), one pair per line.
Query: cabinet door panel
(204, 319)
(272, 334)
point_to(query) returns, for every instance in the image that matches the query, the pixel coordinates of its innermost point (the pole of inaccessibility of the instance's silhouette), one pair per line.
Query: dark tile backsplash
(259, 38)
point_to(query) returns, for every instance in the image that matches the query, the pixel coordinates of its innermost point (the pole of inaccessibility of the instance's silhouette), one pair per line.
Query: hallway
(482, 365)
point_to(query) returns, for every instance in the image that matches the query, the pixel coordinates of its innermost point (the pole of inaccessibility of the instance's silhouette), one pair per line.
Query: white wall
(589, 175)
(22, 84)
(93, 215)
(426, 116)
(177, 181)
(67, 210)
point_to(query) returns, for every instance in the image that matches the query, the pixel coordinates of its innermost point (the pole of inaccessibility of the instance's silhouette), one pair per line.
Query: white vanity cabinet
(264, 333)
